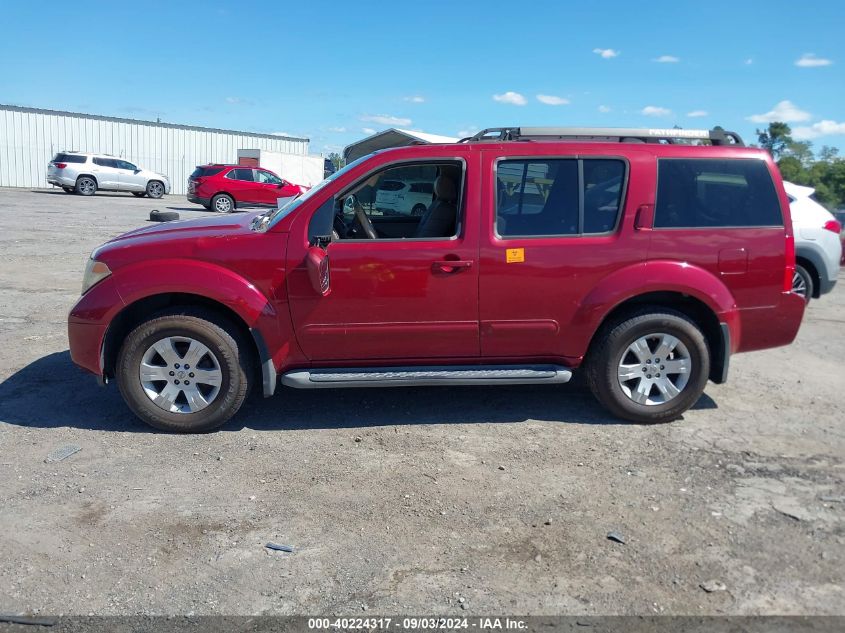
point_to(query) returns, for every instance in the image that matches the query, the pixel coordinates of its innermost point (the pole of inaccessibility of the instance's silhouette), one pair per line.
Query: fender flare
(812, 253)
(211, 282)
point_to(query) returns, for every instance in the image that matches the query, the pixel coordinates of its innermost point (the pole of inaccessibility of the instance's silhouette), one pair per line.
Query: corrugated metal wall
(29, 138)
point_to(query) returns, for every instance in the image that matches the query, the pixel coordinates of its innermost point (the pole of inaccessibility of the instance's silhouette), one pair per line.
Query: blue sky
(336, 71)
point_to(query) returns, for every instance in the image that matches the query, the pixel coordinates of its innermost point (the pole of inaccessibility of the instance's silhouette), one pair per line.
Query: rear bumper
(197, 200)
(61, 181)
(771, 326)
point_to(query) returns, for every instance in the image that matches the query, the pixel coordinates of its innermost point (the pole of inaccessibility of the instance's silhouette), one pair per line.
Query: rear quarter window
(200, 172)
(69, 158)
(700, 193)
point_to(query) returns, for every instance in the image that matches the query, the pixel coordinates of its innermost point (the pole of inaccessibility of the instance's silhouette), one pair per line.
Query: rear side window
(240, 174)
(693, 193)
(107, 162)
(200, 172)
(69, 158)
(564, 196)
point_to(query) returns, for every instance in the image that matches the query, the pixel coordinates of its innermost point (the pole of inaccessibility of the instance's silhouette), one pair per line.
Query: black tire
(223, 203)
(139, 194)
(225, 342)
(68, 190)
(418, 209)
(86, 186)
(163, 216)
(155, 189)
(802, 283)
(610, 346)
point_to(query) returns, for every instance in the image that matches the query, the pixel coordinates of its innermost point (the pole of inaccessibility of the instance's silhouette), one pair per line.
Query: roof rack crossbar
(717, 136)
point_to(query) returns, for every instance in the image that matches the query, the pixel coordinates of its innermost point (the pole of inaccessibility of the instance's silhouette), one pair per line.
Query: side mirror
(317, 262)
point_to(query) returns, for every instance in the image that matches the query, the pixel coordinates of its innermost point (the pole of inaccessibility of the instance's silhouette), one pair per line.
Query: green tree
(828, 154)
(791, 169)
(337, 160)
(776, 138)
(802, 150)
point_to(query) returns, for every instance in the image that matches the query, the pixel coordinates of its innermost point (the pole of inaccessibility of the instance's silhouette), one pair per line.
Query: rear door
(240, 183)
(555, 224)
(106, 172)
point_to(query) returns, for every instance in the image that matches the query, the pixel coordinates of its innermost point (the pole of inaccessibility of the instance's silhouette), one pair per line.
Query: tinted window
(70, 158)
(107, 162)
(240, 174)
(535, 197)
(122, 164)
(205, 171)
(713, 192)
(603, 182)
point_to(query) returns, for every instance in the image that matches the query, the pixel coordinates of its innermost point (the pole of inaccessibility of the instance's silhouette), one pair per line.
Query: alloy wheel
(654, 369)
(155, 190)
(223, 205)
(799, 286)
(180, 374)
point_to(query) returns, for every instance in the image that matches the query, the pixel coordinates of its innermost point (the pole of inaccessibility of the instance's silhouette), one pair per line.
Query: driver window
(266, 177)
(412, 200)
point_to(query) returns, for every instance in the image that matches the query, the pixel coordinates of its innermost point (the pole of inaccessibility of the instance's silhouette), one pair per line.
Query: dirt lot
(434, 500)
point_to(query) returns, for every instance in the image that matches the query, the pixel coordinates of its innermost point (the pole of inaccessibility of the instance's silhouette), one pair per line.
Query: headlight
(95, 272)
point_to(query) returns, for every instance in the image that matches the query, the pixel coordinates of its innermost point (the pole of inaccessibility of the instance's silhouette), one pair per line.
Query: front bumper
(88, 323)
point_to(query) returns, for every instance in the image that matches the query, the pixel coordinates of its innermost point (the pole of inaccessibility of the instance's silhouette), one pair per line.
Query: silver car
(84, 173)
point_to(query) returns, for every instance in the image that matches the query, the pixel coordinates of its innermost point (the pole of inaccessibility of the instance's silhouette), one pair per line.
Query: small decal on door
(515, 255)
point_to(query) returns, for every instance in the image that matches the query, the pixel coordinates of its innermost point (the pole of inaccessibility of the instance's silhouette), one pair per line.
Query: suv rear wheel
(802, 282)
(186, 371)
(86, 186)
(650, 367)
(222, 203)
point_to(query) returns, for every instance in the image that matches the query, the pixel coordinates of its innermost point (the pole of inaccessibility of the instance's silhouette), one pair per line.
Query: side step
(426, 376)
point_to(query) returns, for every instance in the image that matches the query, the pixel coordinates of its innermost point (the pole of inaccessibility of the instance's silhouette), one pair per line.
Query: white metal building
(29, 137)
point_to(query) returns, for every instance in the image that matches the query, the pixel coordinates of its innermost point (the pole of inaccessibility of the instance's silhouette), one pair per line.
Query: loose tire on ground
(229, 355)
(163, 216)
(223, 203)
(86, 186)
(611, 360)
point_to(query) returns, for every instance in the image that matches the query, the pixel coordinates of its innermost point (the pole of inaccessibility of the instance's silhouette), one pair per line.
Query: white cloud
(386, 119)
(604, 108)
(666, 59)
(337, 129)
(414, 99)
(785, 111)
(470, 131)
(749, 61)
(606, 53)
(809, 60)
(655, 111)
(697, 113)
(281, 134)
(552, 100)
(822, 128)
(368, 130)
(514, 98)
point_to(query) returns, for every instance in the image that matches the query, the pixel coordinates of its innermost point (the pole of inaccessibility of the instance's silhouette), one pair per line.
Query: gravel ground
(432, 500)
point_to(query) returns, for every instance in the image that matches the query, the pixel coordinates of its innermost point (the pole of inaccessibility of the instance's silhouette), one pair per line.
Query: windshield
(270, 218)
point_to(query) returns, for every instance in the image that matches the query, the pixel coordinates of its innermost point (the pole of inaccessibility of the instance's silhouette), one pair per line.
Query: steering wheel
(362, 218)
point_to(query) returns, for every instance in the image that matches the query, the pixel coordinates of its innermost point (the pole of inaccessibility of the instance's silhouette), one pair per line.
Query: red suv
(224, 188)
(643, 262)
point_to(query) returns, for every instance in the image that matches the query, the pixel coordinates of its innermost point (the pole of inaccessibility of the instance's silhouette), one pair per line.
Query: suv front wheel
(186, 371)
(650, 367)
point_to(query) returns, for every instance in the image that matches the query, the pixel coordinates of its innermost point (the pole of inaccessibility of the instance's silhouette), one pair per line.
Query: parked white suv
(84, 173)
(818, 248)
(405, 198)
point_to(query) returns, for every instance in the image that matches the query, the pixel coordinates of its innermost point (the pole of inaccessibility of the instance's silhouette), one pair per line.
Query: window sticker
(515, 255)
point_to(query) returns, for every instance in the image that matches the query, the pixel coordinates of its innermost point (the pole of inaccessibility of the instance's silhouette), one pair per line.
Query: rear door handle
(451, 266)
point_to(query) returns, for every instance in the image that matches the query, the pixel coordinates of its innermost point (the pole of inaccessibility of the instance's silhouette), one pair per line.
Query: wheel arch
(139, 310)
(87, 175)
(813, 263)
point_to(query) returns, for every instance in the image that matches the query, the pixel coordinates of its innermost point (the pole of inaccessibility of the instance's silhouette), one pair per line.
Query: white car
(818, 248)
(85, 173)
(405, 198)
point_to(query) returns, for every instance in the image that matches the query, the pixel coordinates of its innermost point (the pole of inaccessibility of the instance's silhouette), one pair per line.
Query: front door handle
(451, 266)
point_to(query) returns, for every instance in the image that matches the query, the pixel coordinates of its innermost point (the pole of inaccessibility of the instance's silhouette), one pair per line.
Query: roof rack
(717, 136)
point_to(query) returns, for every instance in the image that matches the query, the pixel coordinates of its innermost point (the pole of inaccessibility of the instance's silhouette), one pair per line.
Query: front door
(394, 298)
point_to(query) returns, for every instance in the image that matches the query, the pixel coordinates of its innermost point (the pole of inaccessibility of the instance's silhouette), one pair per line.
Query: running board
(426, 376)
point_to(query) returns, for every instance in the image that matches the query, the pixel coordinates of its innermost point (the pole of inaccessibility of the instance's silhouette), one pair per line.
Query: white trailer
(296, 168)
